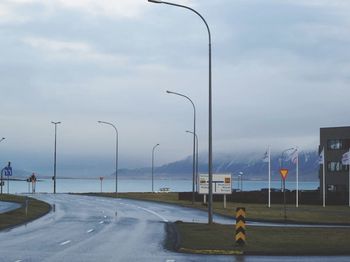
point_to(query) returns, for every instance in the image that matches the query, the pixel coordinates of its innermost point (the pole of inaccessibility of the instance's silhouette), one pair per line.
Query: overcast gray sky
(280, 72)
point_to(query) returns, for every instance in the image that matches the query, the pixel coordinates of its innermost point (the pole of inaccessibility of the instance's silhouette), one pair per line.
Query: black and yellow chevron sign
(240, 226)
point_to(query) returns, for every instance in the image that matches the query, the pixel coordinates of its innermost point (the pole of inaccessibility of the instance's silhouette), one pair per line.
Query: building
(335, 141)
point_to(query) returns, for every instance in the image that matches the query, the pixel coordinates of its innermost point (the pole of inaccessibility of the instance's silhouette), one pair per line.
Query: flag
(294, 157)
(266, 157)
(346, 158)
(306, 158)
(321, 157)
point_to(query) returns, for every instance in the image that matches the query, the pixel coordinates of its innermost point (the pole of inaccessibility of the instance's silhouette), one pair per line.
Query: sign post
(284, 174)
(101, 179)
(240, 236)
(33, 180)
(7, 171)
(221, 184)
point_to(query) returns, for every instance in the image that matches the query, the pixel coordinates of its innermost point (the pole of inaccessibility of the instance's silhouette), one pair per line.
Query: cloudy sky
(281, 70)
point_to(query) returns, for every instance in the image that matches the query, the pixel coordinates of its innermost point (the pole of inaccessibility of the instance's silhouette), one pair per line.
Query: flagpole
(324, 179)
(269, 203)
(297, 176)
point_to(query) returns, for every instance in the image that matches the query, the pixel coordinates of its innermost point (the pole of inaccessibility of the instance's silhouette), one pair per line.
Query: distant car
(164, 189)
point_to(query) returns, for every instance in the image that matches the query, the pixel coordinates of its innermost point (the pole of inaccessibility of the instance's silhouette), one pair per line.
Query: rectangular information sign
(222, 184)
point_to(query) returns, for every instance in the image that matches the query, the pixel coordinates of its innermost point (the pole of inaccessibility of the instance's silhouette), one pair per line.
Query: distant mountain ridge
(251, 165)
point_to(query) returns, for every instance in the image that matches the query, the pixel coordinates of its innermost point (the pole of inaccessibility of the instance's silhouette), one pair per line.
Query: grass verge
(36, 209)
(255, 212)
(219, 239)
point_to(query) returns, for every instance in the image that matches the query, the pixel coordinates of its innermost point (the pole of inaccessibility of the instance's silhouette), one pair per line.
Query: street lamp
(153, 166)
(194, 138)
(196, 179)
(241, 176)
(116, 153)
(54, 165)
(210, 150)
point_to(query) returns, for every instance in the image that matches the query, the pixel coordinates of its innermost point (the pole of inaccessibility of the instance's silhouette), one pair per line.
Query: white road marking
(65, 243)
(90, 230)
(104, 216)
(150, 211)
(19, 260)
(170, 260)
(101, 222)
(155, 213)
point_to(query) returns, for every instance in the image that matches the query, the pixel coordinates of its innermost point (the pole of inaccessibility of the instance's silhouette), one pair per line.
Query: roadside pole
(297, 178)
(324, 179)
(284, 173)
(269, 177)
(26, 205)
(2, 182)
(101, 179)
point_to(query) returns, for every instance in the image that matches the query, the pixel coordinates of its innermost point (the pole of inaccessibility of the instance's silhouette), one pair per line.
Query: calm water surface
(133, 185)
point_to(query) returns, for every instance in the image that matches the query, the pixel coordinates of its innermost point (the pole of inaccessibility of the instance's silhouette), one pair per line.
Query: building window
(337, 167)
(334, 144)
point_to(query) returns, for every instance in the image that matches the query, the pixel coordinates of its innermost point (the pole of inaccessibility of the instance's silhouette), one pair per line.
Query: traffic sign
(7, 171)
(284, 173)
(222, 184)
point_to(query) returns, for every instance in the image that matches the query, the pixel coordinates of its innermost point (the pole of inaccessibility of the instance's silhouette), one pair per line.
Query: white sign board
(222, 184)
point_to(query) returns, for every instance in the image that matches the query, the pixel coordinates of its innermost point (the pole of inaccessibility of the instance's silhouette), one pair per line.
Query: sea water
(135, 185)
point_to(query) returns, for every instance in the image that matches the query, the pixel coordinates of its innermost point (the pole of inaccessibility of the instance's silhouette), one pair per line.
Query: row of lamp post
(210, 200)
(116, 155)
(210, 166)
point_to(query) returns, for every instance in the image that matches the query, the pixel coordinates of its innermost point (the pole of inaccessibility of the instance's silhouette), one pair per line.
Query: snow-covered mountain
(251, 165)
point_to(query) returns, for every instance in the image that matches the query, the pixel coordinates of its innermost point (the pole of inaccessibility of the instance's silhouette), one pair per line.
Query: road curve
(83, 228)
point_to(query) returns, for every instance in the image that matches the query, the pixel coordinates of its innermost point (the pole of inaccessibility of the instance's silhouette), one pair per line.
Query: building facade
(335, 141)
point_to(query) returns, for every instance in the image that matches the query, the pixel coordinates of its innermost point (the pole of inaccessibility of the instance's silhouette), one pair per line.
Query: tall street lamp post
(196, 179)
(210, 151)
(194, 140)
(116, 153)
(54, 164)
(153, 167)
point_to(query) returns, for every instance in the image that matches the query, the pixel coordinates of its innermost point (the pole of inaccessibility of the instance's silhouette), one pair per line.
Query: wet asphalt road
(102, 229)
